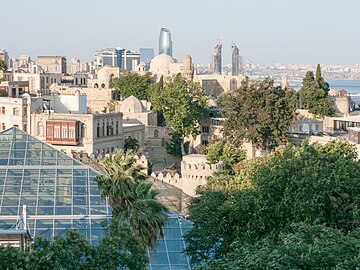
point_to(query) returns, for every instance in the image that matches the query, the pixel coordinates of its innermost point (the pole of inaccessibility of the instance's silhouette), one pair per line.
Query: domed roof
(160, 64)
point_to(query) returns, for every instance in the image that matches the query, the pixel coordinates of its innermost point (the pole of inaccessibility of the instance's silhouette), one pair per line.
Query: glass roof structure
(61, 193)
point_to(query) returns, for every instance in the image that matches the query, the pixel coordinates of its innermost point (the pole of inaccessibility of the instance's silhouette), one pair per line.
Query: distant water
(352, 86)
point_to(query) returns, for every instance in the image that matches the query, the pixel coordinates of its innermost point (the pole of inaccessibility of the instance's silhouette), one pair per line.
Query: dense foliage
(3, 65)
(133, 84)
(312, 185)
(173, 147)
(118, 249)
(303, 247)
(225, 152)
(131, 144)
(259, 113)
(183, 104)
(314, 94)
(132, 199)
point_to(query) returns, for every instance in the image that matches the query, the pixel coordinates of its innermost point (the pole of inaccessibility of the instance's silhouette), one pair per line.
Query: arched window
(156, 134)
(233, 84)
(40, 129)
(96, 85)
(117, 127)
(83, 131)
(103, 85)
(16, 111)
(98, 130)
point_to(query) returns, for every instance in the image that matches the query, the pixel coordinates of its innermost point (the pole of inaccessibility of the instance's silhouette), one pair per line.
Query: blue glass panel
(43, 210)
(160, 258)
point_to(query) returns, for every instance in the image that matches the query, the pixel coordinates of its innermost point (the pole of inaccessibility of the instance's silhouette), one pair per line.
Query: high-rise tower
(165, 43)
(217, 59)
(235, 60)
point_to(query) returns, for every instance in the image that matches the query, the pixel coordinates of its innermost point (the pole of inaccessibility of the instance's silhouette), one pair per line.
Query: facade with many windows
(87, 133)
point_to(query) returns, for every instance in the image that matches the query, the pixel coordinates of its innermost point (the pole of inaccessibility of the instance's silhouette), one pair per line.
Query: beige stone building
(37, 82)
(103, 77)
(216, 84)
(88, 133)
(52, 64)
(194, 172)
(165, 65)
(138, 111)
(15, 112)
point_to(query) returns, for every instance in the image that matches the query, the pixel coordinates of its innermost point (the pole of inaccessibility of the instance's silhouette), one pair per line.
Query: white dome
(161, 64)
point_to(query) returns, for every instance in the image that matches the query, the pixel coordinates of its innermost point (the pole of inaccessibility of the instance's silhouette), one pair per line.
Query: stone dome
(160, 64)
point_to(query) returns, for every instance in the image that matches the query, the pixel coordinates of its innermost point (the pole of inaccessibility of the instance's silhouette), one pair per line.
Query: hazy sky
(266, 31)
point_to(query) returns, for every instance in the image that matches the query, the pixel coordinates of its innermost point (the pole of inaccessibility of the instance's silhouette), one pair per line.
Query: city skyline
(266, 32)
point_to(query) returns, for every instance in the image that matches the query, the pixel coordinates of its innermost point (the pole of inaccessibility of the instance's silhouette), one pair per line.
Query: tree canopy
(312, 185)
(3, 65)
(314, 94)
(259, 113)
(133, 84)
(117, 250)
(183, 104)
(225, 152)
(303, 247)
(133, 201)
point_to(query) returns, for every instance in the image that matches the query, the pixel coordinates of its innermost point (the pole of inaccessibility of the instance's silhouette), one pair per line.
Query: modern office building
(108, 57)
(116, 57)
(235, 60)
(165, 42)
(216, 65)
(61, 193)
(146, 55)
(130, 60)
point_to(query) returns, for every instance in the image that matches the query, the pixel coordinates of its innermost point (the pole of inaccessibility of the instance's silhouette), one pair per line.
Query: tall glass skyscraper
(235, 60)
(165, 43)
(217, 59)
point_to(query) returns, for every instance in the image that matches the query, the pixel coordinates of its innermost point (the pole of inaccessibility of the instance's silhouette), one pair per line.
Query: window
(117, 128)
(204, 129)
(98, 130)
(16, 111)
(3, 126)
(2, 110)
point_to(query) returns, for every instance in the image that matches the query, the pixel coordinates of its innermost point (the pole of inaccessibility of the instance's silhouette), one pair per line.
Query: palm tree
(132, 199)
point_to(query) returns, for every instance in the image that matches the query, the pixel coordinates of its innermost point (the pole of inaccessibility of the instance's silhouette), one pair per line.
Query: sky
(266, 31)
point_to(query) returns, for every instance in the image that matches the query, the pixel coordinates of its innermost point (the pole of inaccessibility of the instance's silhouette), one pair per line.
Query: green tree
(303, 247)
(72, 251)
(259, 113)
(313, 184)
(313, 94)
(12, 258)
(3, 65)
(120, 249)
(321, 81)
(132, 84)
(183, 104)
(227, 153)
(131, 144)
(133, 201)
(173, 147)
